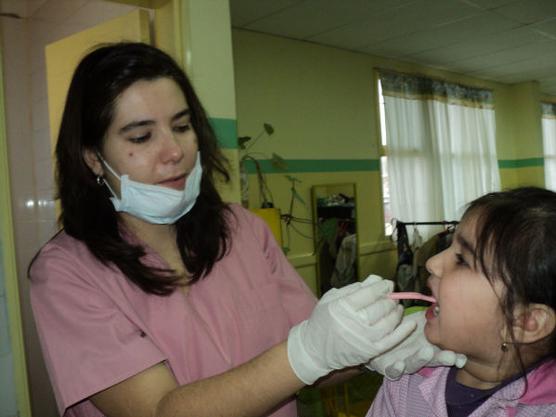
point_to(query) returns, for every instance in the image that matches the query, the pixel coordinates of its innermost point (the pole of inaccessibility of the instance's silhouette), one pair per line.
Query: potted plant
(245, 144)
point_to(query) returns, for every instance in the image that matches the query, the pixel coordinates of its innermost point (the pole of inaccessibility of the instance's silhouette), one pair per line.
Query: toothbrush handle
(411, 296)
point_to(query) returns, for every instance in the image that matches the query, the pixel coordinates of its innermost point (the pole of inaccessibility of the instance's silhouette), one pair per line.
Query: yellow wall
(166, 29)
(63, 56)
(527, 120)
(207, 52)
(519, 135)
(321, 103)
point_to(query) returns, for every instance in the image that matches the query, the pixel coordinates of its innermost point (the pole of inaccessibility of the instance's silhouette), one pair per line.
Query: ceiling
(21, 8)
(509, 41)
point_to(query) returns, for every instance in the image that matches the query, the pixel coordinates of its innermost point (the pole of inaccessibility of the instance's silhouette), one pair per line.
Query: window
(440, 142)
(384, 167)
(549, 144)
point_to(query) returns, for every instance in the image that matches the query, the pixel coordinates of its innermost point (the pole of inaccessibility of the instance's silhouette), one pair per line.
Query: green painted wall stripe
(226, 132)
(316, 165)
(346, 165)
(520, 163)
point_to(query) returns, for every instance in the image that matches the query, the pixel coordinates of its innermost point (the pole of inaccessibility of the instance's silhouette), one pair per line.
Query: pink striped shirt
(423, 395)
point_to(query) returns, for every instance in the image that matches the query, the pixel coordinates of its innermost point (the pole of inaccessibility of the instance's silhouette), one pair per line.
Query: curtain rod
(442, 223)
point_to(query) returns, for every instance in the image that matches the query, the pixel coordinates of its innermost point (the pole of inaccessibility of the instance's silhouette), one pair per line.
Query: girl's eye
(182, 128)
(140, 139)
(460, 260)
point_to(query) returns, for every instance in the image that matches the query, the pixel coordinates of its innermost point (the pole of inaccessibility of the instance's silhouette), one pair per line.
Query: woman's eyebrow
(141, 123)
(133, 125)
(179, 115)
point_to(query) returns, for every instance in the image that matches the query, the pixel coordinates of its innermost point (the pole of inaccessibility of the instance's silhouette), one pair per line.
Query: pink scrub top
(97, 328)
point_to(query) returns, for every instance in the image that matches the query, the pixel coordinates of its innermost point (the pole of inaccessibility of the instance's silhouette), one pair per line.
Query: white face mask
(154, 203)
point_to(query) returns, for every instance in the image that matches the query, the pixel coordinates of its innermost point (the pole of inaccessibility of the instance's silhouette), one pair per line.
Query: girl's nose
(434, 264)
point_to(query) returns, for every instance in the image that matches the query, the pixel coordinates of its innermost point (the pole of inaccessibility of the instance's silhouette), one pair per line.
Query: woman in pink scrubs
(159, 299)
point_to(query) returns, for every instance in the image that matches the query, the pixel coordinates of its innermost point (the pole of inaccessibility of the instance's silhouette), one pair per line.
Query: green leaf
(278, 162)
(242, 140)
(268, 129)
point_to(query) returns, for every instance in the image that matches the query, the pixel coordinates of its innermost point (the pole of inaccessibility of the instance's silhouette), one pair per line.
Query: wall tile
(29, 149)
(47, 229)
(37, 58)
(14, 33)
(26, 242)
(44, 176)
(41, 144)
(38, 86)
(39, 115)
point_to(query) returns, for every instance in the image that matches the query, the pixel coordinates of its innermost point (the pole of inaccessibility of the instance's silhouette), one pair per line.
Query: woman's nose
(172, 150)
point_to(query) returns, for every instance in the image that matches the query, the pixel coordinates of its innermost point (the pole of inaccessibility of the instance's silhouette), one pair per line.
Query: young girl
(495, 290)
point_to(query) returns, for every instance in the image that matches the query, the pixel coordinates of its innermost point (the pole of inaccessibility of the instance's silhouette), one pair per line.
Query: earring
(100, 180)
(504, 347)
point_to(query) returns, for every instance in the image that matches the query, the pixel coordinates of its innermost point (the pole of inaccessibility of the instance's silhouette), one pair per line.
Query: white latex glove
(348, 327)
(414, 353)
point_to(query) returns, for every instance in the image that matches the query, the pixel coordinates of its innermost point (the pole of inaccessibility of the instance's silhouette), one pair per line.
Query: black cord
(300, 233)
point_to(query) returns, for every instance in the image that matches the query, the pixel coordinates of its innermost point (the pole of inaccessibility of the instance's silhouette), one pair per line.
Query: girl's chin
(430, 334)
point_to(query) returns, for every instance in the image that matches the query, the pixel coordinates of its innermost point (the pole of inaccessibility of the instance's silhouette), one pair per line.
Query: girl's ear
(533, 323)
(93, 162)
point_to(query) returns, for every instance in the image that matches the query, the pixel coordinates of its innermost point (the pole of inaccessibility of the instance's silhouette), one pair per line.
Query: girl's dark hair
(87, 213)
(516, 243)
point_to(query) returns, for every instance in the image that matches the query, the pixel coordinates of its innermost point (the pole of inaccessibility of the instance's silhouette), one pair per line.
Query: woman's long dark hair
(87, 213)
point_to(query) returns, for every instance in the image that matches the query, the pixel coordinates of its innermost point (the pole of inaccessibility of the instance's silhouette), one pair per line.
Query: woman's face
(467, 317)
(151, 138)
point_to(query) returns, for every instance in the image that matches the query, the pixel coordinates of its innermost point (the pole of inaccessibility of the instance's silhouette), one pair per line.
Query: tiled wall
(31, 173)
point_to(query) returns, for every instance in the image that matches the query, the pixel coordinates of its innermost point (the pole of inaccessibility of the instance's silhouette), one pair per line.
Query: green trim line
(349, 165)
(226, 132)
(520, 163)
(316, 165)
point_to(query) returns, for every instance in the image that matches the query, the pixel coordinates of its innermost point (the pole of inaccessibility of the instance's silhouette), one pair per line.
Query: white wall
(31, 174)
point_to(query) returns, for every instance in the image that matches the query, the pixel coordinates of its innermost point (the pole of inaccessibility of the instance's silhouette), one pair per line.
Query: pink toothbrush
(411, 296)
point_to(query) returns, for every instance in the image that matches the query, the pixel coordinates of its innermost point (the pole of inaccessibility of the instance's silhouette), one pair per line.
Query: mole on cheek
(130, 154)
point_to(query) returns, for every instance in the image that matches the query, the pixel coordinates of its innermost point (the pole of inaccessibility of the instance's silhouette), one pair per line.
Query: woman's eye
(182, 128)
(140, 139)
(460, 260)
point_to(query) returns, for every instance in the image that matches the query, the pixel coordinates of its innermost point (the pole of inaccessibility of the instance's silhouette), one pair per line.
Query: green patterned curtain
(548, 110)
(416, 87)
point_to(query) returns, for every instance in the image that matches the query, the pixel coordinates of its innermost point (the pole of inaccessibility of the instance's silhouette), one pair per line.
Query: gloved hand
(348, 327)
(414, 353)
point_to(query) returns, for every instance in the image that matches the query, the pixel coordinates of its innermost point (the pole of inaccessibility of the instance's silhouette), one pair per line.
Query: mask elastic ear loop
(111, 171)
(107, 166)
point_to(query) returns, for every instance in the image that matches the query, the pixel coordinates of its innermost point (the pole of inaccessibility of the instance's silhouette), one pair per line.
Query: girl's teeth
(436, 310)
